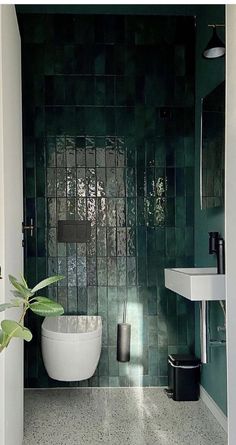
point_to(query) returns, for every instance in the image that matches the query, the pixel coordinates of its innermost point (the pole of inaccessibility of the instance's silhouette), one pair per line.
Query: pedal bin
(183, 377)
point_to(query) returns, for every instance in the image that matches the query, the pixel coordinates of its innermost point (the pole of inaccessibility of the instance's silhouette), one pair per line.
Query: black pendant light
(215, 47)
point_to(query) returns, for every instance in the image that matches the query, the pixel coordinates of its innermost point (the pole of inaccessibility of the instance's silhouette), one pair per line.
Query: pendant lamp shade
(215, 47)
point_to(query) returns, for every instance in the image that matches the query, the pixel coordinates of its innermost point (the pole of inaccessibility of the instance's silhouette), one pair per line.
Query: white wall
(11, 210)
(230, 212)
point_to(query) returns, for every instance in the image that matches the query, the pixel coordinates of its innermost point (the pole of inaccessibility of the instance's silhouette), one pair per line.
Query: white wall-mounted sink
(196, 284)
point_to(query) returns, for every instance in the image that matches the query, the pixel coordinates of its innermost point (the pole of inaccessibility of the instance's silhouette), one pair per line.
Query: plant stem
(23, 313)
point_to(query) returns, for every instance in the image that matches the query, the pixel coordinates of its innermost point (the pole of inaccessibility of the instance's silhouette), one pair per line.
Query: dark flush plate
(73, 231)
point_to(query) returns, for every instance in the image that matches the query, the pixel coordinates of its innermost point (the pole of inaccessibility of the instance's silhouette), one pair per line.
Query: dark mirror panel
(213, 148)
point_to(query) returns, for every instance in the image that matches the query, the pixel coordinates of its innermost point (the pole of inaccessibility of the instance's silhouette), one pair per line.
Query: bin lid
(184, 359)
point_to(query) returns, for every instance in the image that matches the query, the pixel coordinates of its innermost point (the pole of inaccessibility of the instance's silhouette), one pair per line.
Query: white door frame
(230, 217)
(11, 214)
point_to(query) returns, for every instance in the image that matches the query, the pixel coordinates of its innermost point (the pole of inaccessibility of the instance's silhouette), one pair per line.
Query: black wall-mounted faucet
(217, 246)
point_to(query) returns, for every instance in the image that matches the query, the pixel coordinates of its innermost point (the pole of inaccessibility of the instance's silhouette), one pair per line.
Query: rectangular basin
(196, 284)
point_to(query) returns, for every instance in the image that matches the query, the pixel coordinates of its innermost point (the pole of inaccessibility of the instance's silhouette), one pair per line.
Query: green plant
(25, 297)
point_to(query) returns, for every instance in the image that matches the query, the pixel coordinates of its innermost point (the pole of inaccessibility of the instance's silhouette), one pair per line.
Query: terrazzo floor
(116, 416)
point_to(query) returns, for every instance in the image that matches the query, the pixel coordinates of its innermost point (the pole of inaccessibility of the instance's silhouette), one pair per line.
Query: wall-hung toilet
(71, 346)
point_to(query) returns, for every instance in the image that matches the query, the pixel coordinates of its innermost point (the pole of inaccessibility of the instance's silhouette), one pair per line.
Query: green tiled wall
(108, 107)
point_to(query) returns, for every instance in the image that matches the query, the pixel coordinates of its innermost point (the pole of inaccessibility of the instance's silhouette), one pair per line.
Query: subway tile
(72, 300)
(71, 182)
(91, 189)
(99, 147)
(131, 182)
(101, 241)
(101, 181)
(111, 212)
(91, 271)
(100, 152)
(82, 299)
(120, 212)
(80, 151)
(102, 271)
(111, 271)
(111, 241)
(121, 241)
(91, 210)
(131, 271)
(61, 204)
(121, 271)
(131, 241)
(101, 212)
(92, 300)
(111, 189)
(121, 152)
(71, 208)
(81, 271)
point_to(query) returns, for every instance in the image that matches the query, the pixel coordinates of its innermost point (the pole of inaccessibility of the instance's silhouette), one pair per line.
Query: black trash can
(183, 377)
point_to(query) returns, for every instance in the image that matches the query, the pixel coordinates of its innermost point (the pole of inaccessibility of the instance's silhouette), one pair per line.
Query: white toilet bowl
(71, 346)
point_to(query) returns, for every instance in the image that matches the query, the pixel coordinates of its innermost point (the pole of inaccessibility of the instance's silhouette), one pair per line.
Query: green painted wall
(209, 73)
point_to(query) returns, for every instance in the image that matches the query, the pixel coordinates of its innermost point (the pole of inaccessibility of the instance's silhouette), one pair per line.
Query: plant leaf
(1, 336)
(24, 281)
(46, 282)
(16, 302)
(17, 294)
(5, 306)
(24, 291)
(46, 307)
(13, 329)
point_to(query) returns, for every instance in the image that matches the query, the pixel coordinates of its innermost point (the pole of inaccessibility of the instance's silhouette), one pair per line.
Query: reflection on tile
(101, 241)
(111, 212)
(81, 182)
(111, 241)
(121, 241)
(81, 271)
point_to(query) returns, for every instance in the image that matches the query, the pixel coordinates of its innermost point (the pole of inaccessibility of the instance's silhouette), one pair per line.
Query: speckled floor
(116, 416)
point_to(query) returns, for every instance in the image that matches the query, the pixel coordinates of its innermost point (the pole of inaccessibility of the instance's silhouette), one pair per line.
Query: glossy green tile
(120, 212)
(109, 138)
(30, 183)
(80, 151)
(120, 182)
(104, 363)
(72, 300)
(111, 241)
(91, 185)
(153, 361)
(62, 297)
(102, 271)
(102, 211)
(121, 271)
(91, 271)
(110, 122)
(92, 300)
(131, 241)
(111, 271)
(131, 271)
(82, 300)
(131, 182)
(111, 189)
(113, 364)
(101, 181)
(61, 204)
(121, 242)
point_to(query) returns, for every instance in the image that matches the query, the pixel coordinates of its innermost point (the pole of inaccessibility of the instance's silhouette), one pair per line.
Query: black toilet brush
(123, 338)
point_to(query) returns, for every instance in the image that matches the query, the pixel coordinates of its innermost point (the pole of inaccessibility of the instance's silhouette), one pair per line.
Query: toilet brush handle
(124, 311)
